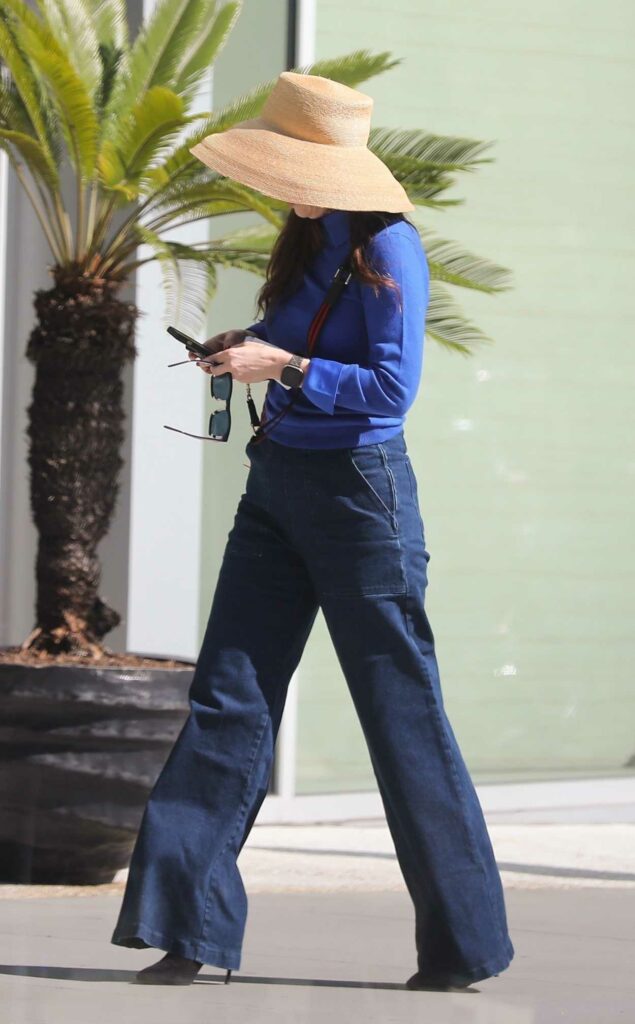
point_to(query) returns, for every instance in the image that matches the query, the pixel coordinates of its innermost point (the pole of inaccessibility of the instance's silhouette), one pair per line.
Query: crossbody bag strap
(338, 283)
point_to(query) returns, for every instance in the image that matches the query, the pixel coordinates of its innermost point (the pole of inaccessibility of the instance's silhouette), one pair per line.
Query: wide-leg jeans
(341, 530)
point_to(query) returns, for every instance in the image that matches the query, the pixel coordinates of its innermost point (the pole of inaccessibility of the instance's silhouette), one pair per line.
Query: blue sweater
(368, 359)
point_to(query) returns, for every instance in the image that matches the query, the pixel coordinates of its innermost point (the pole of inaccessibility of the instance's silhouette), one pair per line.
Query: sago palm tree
(78, 96)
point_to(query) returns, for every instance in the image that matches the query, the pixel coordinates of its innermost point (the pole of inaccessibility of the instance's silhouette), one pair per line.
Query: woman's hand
(250, 361)
(217, 344)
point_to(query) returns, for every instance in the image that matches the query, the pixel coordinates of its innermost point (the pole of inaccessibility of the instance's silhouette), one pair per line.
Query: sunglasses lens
(219, 424)
(221, 386)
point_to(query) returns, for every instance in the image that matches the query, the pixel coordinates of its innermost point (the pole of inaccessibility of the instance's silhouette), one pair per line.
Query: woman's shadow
(112, 975)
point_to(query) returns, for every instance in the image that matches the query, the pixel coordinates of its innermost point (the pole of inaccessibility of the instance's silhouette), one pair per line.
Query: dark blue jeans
(339, 529)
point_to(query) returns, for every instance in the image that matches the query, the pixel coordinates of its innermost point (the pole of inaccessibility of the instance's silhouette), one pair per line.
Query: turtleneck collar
(336, 226)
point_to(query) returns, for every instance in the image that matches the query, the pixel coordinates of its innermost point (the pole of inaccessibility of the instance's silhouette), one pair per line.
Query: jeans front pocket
(376, 478)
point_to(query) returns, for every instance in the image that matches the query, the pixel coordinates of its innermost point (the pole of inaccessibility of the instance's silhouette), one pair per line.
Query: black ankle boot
(417, 982)
(172, 969)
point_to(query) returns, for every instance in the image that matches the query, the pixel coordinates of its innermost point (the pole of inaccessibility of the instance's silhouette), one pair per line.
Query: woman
(329, 519)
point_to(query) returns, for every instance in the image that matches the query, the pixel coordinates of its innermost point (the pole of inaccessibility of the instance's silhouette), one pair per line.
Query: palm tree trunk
(80, 344)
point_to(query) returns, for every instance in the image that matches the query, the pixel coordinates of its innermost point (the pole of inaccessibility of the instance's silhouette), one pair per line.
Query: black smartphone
(190, 343)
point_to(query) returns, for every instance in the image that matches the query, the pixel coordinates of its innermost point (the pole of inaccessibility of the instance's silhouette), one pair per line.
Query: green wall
(523, 452)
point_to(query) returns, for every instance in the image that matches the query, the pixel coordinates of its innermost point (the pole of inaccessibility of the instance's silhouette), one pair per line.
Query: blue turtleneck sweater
(366, 370)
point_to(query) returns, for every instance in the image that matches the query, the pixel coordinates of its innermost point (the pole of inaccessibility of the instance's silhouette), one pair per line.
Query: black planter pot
(80, 749)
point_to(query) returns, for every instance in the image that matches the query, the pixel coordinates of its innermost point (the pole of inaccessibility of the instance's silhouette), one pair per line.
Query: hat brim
(309, 173)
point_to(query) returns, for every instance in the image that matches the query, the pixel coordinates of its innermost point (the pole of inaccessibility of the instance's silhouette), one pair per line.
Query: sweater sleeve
(388, 385)
(259, 328)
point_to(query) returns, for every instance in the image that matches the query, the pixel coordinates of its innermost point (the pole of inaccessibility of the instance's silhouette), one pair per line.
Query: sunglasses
(220, 419)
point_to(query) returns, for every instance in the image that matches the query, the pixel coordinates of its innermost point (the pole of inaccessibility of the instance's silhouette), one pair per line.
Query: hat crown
(317, 109)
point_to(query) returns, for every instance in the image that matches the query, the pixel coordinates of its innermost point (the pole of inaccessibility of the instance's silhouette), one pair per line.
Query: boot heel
(228, 976)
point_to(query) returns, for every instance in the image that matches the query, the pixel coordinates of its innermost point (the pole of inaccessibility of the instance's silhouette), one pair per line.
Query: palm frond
(68, 93)
(206, 194)
(19, 13)
(185, 204)
(437, 152)
(154, 56)
(450, 262)
(201, 56)
(191, 26)
(257, 238)
(239, 259)
(425, 163)
(34, 156)
(13, 113)
(353, 68)
(110, 18)
(111, 57)
(448, 325)
(424, 185)
(189, 279)
(76, 36)
(27, 86)
(150, 130)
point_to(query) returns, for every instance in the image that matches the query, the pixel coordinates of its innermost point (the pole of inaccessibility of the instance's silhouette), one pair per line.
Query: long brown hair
(300, 239)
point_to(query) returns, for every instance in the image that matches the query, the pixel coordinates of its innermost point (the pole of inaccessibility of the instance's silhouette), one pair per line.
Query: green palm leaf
(156, 55)
(26, 86)
(216, 187)
(199, 58)
(110, 18)
(256, 238)
(189, 278)
(34, 156)
(185, 204)
(450, 262)
(193, 24)
(239, 259)
(448, 325)
(111, 58)
(443, 152)
(13, 113)
(353, 69)
(68, 93)
(151, 129)
(76, 35)
(425, 163)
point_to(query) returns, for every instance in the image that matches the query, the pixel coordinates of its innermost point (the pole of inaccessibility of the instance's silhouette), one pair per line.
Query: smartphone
(190, 343)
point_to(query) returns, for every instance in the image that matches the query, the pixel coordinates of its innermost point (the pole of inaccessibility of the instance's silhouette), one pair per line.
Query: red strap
(314, 330)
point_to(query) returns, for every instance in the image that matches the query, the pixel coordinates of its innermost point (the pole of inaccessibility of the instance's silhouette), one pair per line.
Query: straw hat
(309, 146)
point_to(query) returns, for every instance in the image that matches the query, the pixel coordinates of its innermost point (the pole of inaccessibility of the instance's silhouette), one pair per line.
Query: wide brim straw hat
(309, 147)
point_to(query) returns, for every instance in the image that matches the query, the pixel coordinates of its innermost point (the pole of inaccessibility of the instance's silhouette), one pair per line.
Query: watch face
(292, 376)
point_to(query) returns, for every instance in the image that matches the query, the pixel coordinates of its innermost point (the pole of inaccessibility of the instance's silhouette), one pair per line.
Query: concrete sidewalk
(357, 856)
(330, 934)
(311, 957)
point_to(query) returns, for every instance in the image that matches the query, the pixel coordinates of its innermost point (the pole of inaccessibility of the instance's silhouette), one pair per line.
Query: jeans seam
(415, 502)
(258, 736)
(472, 846)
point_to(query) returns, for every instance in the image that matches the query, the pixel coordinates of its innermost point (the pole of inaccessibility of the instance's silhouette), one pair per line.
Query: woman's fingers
(213, 345)
(217, 344)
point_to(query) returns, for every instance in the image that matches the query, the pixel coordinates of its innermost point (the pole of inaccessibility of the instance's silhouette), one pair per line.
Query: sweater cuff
(259, 328)
(321, 382)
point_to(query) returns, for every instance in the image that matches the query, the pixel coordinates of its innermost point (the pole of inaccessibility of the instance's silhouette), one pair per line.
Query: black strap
(340, 279)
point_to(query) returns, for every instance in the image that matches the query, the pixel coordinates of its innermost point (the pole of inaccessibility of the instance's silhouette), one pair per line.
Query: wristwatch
(292, 375)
